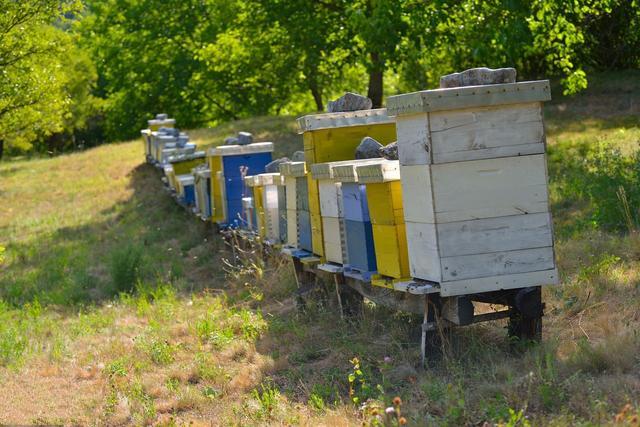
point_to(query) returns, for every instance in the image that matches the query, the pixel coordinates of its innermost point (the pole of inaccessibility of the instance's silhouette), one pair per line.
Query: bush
(125, 268)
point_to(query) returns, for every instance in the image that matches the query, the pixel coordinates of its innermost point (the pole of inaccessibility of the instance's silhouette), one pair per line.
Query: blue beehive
(304, 217)
(236, 162)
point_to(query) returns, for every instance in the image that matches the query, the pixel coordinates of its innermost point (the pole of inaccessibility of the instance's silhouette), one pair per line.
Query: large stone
(231, 140)
(244, 138)
(161, 116)
(274, 166)
(390, 151)
(369, 148)
(478, 77)
(349, 102)
(298, 156)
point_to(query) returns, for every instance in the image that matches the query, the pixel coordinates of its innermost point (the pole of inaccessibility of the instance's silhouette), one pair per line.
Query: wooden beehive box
(229, 164)
(253, 182)
(361, 254)
(297, 196)
(384, 199)
(271, 188)
(474, 184)
(333, 137)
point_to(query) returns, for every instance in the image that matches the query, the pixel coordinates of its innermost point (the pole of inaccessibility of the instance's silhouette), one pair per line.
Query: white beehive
(474, 185)
(294, 174)
(271, 184)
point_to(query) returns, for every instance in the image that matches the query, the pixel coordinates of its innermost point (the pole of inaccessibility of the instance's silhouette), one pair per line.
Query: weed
(268, 398)
(125, 268)
(117, 368)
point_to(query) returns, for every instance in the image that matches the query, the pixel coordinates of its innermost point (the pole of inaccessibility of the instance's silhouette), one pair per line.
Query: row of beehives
(464, 207)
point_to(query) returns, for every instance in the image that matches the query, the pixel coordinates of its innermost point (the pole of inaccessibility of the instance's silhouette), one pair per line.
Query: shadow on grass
(74, 265)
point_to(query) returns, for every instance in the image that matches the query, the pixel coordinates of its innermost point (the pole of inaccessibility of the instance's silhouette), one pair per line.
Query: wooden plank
(424, 260)
(292, 228)
(495, 234)
(469, 96)
(417, 194)
(489, 188)
(329, 197)
(413, 140)
(332, 239)
(232, 150)
(497, 263)
(290, 189)
(487, 132)
(316, 234)
(497, 283)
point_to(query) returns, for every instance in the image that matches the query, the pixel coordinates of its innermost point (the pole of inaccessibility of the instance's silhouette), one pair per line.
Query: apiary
(272, 195)
(297, 205)
(474, 185)
(361, 254)
(202, 183)
(384, 200)
(333, 137)
(229, 165)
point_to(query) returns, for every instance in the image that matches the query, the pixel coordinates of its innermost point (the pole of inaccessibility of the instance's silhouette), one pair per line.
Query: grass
(116, 307)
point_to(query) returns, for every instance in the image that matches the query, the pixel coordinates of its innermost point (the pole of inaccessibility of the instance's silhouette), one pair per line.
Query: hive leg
(525, 323)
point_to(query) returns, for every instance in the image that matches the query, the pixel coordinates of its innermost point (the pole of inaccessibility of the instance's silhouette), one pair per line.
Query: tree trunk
(317, 97)
(375, 80)
(1, 148)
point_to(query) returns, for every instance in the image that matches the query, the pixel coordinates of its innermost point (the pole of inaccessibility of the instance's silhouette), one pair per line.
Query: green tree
(33, 101)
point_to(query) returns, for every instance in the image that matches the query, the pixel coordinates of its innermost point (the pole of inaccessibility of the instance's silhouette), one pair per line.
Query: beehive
(161, 121)
(229, 164)
(253, 183)
(384, 199)
(272, 195)
(249, 213)
(333, 137)
(202, 183)
(361, 252)
(297, 205)
(474, 183)
(185, 189)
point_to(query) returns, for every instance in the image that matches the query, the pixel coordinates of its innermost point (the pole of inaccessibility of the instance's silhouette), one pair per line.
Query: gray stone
(162, 116)
(298, 156)
(274, 166)
(231, 140)
(390, 151)
(244, 138)
(349, 102)
(369, 148)
(478, 77)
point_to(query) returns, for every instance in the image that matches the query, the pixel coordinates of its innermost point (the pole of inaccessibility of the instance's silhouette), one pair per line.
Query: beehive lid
(346, 119)
(186, 179)
(183, 157)
(252, 181)
(270, 179)
(146, 132)
(295, 169)
(230, 150)
(382, 171)
(469, 96)
(165, 138)
(325, 170)
(347, 172)
(161, 122)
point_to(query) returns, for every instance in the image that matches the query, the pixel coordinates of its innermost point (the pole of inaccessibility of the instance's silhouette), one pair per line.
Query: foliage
(44, 77)
(125, 268)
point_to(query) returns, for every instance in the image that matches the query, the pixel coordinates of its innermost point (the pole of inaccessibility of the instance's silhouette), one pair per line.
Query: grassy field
(118, 308)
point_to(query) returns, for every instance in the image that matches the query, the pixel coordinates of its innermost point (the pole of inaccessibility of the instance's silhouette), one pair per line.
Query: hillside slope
(117, 307)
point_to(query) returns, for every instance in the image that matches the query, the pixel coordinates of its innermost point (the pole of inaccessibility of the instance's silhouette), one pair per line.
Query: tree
(33, 102)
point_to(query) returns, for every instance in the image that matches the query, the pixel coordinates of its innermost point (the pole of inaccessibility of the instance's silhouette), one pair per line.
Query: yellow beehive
(333, 137)
(384, 197)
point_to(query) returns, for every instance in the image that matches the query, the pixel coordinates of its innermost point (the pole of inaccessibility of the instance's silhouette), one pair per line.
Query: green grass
(116, 306)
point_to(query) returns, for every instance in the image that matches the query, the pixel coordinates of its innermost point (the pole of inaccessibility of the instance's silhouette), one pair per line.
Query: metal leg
(425, 328)
(337, 283)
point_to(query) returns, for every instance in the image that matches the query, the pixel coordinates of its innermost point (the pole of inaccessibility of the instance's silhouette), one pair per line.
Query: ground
(117, 307)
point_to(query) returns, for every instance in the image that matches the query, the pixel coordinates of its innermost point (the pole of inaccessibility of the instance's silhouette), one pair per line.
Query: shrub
(125, 268)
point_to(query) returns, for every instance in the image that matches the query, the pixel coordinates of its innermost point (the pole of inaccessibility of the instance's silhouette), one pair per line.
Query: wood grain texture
(424, 260)
(417, 194)
(496, 283)
(413, 139)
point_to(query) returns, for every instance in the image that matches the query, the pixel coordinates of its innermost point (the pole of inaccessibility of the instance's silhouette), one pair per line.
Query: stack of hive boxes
(474, 184)
(384, 199)
(333, 137)
(273, 195)
(297, 205)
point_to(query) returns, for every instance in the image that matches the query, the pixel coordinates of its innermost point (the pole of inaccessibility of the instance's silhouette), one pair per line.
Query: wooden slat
(489, 188)
(330, 196)
(495, 234)
(417, 194)
(424, 260)
(413, 139)
(496, 283)
(497, 263)
(488, 132)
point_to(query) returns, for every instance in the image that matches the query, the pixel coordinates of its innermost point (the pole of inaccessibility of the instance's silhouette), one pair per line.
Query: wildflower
(390, 410)
(387, 359)
(402, 421)
(397, 401)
